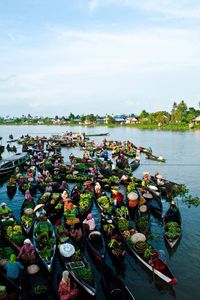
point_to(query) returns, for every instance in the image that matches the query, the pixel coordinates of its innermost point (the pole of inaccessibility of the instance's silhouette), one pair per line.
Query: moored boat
(9, 164)
(172, 225)
(113, 286)
(44, 240)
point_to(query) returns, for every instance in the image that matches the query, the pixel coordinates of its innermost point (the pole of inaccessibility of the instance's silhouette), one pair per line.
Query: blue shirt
(13, 269)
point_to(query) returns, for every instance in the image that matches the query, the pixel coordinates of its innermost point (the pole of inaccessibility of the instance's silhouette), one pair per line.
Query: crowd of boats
(60, 220)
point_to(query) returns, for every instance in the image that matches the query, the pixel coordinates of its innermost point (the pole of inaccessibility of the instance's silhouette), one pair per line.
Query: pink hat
(89, 216)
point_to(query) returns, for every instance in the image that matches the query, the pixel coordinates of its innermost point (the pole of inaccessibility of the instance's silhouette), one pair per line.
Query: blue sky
(98, 56)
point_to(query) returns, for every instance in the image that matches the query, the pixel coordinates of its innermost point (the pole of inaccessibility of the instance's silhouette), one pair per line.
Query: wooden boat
(12, 290)
(74, 261)
(85, 203)
(157, 267)
(9, 164)
(142, 218)
(156, 158)
(154, 202)
(12, 232)
(96, 244)
(27, 215)
(113, 241)
(135, 164)
(11, 189)
(172, 227)
(113, 286)
(97, 134)
(44, 241)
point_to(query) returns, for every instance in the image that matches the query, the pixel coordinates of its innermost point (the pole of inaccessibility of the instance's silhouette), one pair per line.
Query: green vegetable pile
(85, 202)
(85, 274)
(172, 230)
(106, 203)
(122, 212)
(5, 252)
(123, 224)
(143, 223)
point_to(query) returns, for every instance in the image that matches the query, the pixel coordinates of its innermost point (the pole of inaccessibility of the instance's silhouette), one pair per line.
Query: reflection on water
(182, 152)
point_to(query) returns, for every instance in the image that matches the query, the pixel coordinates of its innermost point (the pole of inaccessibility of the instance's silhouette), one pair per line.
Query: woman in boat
(28, 196)
(4, 210)
(172, 214)
(27, 252)
(146, 179)
(89, 222)
(65, 290)
(13, 269)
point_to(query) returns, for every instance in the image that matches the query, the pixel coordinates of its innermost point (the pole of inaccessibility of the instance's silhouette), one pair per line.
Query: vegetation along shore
(181, 117)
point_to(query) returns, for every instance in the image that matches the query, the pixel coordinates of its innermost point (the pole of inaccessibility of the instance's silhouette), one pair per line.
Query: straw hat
(153, 187)
(33, 269)
(147, 196)
(137, 237)
(38, 207)
(132, 196)
(67, 250)
(28, 211)
(143, 208)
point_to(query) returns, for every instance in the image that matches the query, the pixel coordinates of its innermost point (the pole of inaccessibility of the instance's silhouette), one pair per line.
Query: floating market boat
(44, 240)
(147, 255)
(9, 164)
(27, 214)
(172, 226)
(113, 286)
(96, 244)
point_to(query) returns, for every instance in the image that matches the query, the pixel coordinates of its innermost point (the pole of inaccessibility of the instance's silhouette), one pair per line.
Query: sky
(98, 56)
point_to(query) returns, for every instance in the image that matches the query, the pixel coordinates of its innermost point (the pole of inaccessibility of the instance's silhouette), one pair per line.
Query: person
(13, 269)
(159, 179)
(172, 214)
(118, 198)
(28, 195)
(4, 210)
(97, 188)
(89, 222)
(65, 289)
(146, 179)
(39, 211)
(27, 252)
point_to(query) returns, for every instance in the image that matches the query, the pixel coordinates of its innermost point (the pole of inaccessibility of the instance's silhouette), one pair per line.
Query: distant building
(132, 120)
(196, 120)
(120, 118)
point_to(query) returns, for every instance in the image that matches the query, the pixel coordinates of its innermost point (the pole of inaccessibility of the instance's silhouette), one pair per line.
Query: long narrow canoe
(96, 244)
(172, 226)
(27, 215)
(113, 286)
(44, 240)
(160, 268)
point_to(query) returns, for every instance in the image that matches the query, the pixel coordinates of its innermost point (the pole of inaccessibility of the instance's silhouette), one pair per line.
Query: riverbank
(164, 127)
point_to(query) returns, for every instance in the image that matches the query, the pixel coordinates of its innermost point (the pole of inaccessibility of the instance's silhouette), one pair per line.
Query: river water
(182, 153)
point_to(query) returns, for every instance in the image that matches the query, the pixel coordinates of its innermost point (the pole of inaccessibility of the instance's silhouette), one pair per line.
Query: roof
(17, 156)
(197, 119)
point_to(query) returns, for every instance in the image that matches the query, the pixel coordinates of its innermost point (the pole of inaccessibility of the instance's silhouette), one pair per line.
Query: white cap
(3, 203)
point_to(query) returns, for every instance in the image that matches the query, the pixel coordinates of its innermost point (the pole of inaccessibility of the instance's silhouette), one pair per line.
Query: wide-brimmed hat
(153, 187)
(28, 211)
(3, 204)
(67, 250)
(143, 208)
(132, 196)
(38, 207)
(33, 269)
(147, 196)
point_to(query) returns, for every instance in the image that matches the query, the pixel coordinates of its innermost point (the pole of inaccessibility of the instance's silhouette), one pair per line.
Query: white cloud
(76, 68)
(169, 8)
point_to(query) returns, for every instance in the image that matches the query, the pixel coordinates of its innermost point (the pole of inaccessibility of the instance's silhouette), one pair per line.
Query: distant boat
(9, 164)
(97, 134)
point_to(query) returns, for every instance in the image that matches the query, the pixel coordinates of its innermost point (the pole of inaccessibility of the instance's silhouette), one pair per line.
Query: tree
(71, 117)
